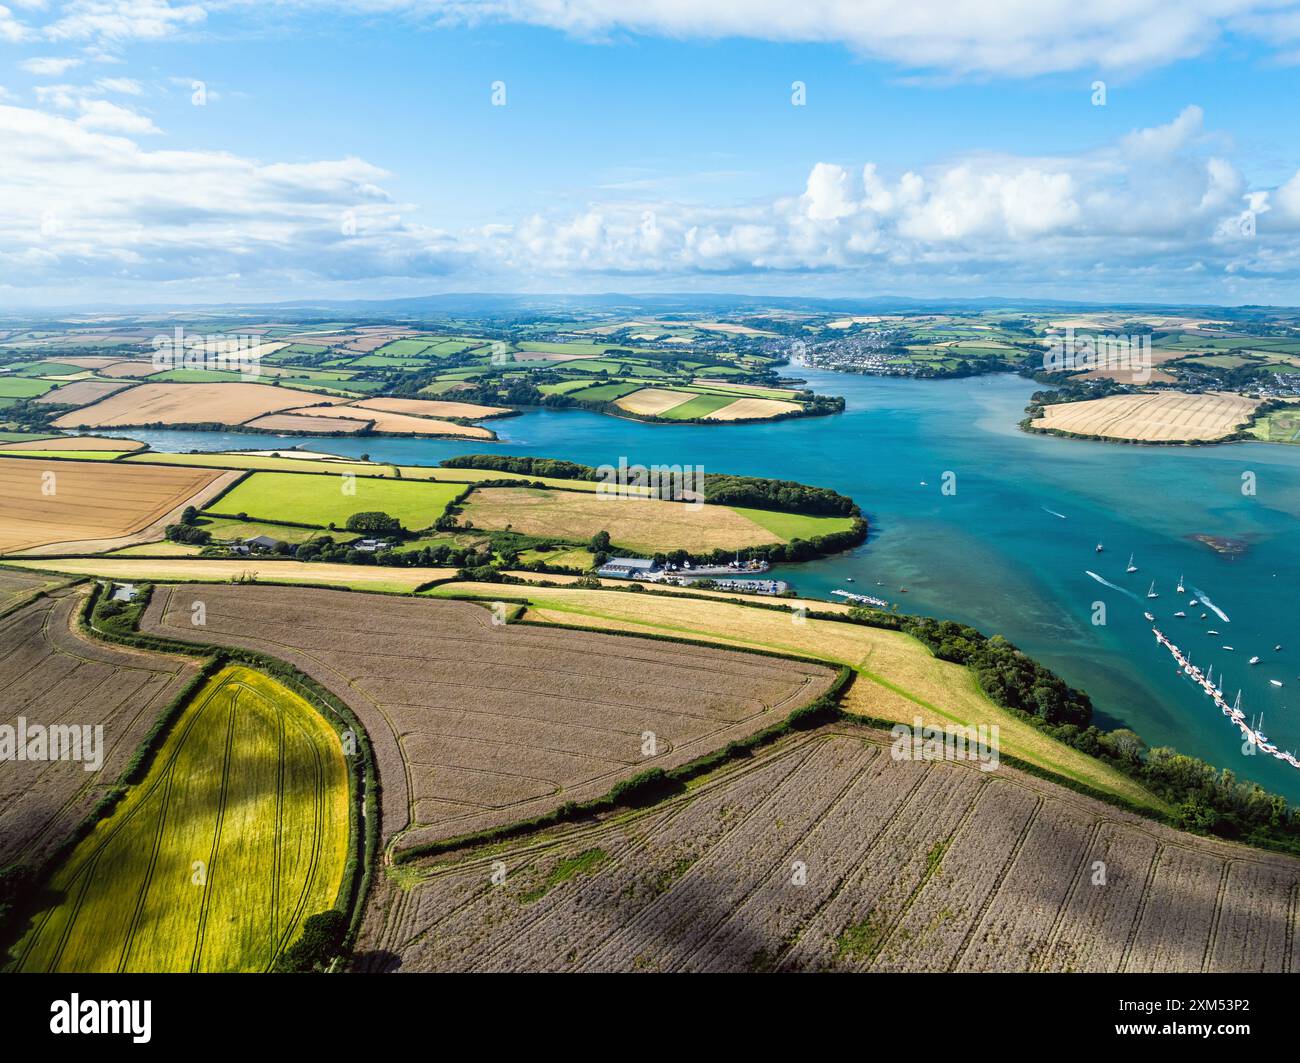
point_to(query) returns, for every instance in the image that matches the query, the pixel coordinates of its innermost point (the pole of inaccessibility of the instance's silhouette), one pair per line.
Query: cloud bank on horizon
(97, 199)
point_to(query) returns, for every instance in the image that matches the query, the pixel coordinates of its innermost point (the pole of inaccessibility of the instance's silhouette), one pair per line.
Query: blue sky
(354, 149)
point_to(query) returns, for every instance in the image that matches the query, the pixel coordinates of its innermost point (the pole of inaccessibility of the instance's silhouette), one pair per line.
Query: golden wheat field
(46, 503)
(187, 404)
(634, 523)
(1162, 416)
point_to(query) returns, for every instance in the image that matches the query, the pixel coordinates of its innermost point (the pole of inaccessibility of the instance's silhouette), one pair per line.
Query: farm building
(628, 568)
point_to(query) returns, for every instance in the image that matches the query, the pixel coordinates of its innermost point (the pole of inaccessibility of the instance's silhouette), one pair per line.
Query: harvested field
(81, 393)
(898, 679)
(747, 409)
(827, 853)
(53, 675)
(640, 524)
(83, 506)
(258, 570)
(18, 587)
(652, 402)
(82, 443)
(1163, 416)
(129, 369)
(230, 404)
(477, 724)
(250, 784)
(398, 423)
(471, 411)
(293, 422)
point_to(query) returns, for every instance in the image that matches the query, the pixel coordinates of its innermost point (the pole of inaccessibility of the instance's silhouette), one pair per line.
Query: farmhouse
(262, 542)
(628, 568)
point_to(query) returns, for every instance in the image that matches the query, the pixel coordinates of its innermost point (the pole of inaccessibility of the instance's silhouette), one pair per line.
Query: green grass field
(226, 530)
(795, 525)
(604, 392)
(238, 832)
(321, 500)
(21, 387)
(700, 406)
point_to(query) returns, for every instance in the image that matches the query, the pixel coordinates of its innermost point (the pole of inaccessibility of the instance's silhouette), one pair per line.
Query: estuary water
(988, 525)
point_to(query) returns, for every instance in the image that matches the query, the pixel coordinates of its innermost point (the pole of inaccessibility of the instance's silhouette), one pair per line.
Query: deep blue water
(991, 554)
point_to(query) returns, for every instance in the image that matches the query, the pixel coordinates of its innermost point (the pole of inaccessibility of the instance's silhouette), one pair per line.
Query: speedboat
(1227, 647)
(1149, 617)
(1180, 613)
(1254, 660)
(1211, 632)
(1194, 601)
(1276, 682)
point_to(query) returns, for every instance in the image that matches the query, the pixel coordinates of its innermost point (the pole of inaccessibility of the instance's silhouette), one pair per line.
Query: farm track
(915, 866)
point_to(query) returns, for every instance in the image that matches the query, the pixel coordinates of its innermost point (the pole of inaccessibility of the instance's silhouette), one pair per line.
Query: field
(17, 588)
(17, 387)
(80, 393)
(906, 865)
(432, 408)
(1280, 426)
(75, 443)
(746, 409)
(395, 423)
(296, 422)
(476, 724)
(640, 524)
(230, 404)
(322, 500)
(254, 570)
(898, 678)
(1155, 417)
(52, 674)
(238, 832)
(93, 505)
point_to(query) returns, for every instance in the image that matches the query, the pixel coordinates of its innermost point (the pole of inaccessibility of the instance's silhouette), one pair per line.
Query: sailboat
(1179, 588)
(1131, 567)
(1151, 592)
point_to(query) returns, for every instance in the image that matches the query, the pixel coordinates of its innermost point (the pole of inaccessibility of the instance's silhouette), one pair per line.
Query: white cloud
(1012, 38)
(12, 29)
(49, 66)
(122, 20)
(112, 118)
(1150, 210)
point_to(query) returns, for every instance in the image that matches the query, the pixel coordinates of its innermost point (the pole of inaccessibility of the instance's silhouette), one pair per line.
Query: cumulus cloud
(84, 206)
(1153, 208)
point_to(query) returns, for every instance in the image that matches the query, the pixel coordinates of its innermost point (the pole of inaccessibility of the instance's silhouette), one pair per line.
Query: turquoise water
(991, 554)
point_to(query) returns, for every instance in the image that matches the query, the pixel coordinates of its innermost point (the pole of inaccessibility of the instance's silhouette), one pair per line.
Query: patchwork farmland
(826, 853)
(52, 674)
(477, 724)
(252, 781)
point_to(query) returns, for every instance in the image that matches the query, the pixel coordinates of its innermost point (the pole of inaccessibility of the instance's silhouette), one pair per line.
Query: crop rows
(826, 854)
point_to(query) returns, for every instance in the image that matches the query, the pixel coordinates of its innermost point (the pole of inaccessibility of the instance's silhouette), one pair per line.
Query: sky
(169, 152)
